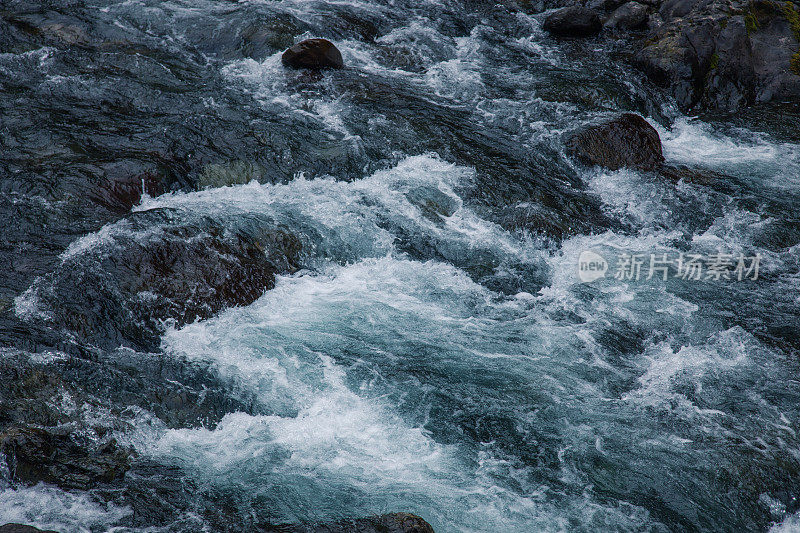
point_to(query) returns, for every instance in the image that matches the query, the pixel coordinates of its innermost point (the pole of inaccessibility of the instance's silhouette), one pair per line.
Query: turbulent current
(433, 350)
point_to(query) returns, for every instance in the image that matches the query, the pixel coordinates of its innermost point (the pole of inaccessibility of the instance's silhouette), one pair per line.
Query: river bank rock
(626, 141)
(629, 16)
(724, 55)
(573, 21)
(313, 54)
(52, 456)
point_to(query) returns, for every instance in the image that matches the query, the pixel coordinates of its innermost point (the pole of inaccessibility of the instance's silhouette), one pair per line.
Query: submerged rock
(432, 202)
(626, 141)
(38, 454)
(313, 54)
(22, 528)
(573, 21)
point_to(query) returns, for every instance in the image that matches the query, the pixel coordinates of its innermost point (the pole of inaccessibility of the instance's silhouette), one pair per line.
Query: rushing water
(437, 352)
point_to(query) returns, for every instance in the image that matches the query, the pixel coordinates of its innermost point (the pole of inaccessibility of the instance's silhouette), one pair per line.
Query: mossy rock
(714, 61)
(751, 22)
(794, 64)
(793, 16)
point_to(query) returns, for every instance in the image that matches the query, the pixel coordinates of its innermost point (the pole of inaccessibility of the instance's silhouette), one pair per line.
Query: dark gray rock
(121, 292)
(52, 456)
(629, 16)
(775, 47)
(573, 21)
(626, 141)
(21, 528)
(724, 55)
(313, 54)
(604, 5)
(388, 523)
(671, 62)
(672, 9)
(731, 77)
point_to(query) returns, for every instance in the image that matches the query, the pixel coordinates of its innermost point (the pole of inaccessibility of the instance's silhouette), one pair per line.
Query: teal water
(431, 357)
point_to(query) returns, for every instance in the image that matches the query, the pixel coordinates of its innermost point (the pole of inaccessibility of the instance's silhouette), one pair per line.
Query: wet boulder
(313, 54)
(573, 21)
(153, 268)
(604, 5)
(50, 455)
(120, 193)
(22, 528)
(388, 523)
(626, 141)
(629, 16)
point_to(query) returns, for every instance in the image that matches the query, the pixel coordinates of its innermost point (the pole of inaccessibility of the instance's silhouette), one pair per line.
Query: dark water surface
(431, 349)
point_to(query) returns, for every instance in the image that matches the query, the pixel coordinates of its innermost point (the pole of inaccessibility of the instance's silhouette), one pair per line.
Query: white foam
(28, 305)
(329, 439)
(459, 77)
(629, 196)
(102, 237)
(791, 524)
(743, 153)
(693, 141)
(725, 352)
(268, 81)
(47, 507)
(352, 217)
(734, 233)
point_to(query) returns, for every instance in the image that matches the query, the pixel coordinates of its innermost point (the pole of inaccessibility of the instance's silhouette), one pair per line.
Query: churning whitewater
(404, 383)
(428, 346)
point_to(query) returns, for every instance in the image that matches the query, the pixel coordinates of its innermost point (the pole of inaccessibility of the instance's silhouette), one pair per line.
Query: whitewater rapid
(427, 358)
(373, 362)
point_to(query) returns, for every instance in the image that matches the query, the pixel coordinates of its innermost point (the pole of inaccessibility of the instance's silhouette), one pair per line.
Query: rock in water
(573, 21)
(432, 202)
(46, 454)
(22, 528)
(388, 523)
(626, 141)
(630, 16)
(313, 54)
(124, 290)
